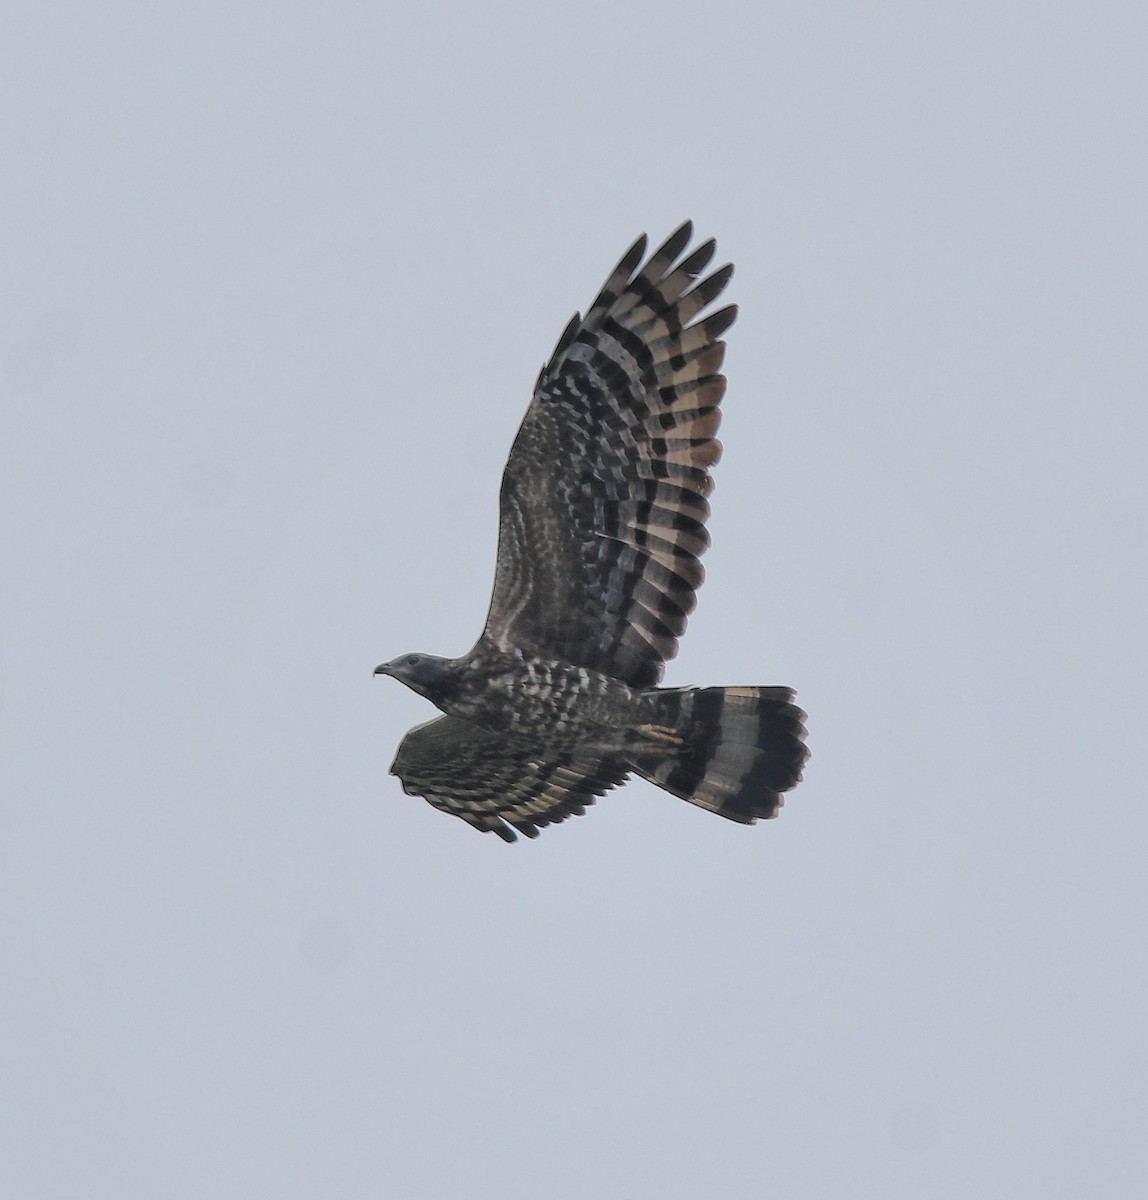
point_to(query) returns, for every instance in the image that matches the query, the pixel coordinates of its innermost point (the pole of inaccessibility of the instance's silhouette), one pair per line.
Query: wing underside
(603, 504)
(496, 784)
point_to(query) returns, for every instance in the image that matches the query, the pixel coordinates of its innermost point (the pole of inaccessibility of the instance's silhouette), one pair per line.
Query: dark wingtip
(717, 323)
(697, 261)
(675, 243)
(568, 336)
(634, 255)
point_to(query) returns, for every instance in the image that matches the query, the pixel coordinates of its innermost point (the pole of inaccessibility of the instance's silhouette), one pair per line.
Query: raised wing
(496, 784)
(603, 506)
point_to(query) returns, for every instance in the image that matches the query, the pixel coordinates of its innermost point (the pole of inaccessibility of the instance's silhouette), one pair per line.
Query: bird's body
(533, 698)
(515, 694)
(603, 513)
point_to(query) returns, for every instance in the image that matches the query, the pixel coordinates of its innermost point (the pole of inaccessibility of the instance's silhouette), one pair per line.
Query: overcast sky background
(277, 283)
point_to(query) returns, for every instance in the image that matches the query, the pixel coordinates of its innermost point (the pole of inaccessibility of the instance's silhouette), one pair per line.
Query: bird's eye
(413, 660)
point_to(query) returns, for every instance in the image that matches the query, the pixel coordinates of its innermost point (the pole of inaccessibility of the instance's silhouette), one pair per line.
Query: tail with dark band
(740, 749)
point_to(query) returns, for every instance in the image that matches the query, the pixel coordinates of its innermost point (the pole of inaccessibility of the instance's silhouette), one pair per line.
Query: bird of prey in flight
(602, 525)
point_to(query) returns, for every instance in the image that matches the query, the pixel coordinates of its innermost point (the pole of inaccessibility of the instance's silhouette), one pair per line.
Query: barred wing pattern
(603, 504)
(496, 784)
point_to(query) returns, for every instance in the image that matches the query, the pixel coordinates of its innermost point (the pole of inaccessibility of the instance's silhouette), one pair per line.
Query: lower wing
(500, 785)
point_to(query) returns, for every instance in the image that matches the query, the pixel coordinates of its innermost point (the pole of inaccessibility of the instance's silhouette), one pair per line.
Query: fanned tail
(738, 749)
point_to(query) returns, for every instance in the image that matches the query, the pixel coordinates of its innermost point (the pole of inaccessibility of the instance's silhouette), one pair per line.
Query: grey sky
(277, 284)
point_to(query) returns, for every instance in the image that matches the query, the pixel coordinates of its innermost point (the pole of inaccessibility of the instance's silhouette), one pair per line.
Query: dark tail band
(741, 748)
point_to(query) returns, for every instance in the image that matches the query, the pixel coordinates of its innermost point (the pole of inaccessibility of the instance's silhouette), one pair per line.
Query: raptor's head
(427, 674)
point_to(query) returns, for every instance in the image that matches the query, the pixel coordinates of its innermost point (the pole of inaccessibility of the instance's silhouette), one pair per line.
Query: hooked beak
(384, 669)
